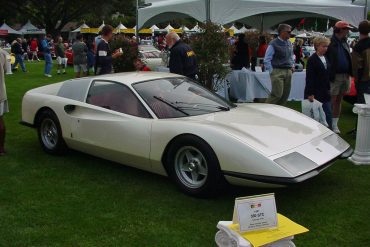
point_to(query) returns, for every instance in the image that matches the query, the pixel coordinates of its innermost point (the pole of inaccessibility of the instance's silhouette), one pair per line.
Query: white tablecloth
(246, 85)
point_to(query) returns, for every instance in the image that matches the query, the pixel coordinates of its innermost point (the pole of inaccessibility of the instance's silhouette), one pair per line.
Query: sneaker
(336, 130)
(47, 75)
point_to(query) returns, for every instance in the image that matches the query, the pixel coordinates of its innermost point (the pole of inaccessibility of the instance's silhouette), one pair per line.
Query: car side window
(116, 97)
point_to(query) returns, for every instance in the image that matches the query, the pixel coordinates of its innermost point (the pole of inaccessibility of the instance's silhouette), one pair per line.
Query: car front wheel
(194, 167)
(50, 133)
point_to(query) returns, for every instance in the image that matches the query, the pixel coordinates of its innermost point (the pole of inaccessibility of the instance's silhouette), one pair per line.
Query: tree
(211, 49)
(54, 14)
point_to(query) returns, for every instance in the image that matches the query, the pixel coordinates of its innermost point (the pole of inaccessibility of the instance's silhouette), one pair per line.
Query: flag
(301, 23)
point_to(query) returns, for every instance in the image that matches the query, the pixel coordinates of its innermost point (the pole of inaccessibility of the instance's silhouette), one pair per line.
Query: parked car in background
(151, 56)
(146, 42)
(69, 55)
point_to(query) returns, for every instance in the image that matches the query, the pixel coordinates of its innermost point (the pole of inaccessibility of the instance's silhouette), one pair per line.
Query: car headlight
(296, 163)
(337, 142)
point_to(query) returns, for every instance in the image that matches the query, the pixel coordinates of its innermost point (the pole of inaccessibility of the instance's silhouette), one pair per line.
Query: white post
(137, 22)
(8, 65)
(365, 11)
(361, 155)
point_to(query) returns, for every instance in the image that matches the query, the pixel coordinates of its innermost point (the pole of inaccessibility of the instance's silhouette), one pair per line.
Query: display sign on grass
(255, 213)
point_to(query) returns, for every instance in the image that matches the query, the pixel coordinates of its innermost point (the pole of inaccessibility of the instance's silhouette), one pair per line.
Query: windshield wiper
(222, 108)
(171, 105)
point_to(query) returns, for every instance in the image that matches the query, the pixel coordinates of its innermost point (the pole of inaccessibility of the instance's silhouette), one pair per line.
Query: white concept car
(169, 125)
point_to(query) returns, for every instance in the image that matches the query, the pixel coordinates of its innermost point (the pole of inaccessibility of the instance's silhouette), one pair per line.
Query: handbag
(314, 110)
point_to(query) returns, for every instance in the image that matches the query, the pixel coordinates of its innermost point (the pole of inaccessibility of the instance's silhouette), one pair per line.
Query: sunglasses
(289, 32)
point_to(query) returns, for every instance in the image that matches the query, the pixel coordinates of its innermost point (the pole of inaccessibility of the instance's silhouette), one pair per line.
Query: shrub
(129, 47)
(211, 49)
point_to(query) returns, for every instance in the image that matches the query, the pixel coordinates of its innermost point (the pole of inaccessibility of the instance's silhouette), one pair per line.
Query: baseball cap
(343, 25)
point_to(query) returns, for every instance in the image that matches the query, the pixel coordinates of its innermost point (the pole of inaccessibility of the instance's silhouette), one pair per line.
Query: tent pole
(208, 10)
(365, 14)
(262, 19)
(137, 22)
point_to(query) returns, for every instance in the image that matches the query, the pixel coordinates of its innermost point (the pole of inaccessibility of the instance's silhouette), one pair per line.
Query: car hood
(270, 129)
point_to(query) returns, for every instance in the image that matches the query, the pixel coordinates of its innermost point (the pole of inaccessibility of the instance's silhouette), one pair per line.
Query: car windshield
(151, 54)
(180, 97)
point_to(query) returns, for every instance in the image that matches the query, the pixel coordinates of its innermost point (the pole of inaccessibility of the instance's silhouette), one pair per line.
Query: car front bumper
(284, 180)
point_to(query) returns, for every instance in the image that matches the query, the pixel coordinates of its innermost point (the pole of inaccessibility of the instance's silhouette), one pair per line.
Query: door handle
(69, 108)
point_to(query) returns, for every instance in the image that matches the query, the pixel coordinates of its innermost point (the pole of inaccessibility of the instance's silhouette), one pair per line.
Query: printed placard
(255, 213)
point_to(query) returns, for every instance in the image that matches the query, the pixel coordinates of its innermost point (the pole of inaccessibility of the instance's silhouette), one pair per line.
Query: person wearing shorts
(79, 50)
(341, 70)
(59, 52)
(3, 100)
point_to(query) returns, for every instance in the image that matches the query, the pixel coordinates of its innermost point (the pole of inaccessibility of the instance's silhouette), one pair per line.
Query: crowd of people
(90, 56)
(328, 70)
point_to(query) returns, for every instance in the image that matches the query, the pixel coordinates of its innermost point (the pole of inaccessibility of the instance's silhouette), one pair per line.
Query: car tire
(50, 133)
(193, 166)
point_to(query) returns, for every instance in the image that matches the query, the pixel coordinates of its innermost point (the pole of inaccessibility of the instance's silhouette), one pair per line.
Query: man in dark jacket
(104, 55)
(182, 57)
(17, 50)
(240, 57)
(361, 62)
(341, 68)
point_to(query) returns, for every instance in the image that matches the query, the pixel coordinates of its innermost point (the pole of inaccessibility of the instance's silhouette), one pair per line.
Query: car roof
(129, 78)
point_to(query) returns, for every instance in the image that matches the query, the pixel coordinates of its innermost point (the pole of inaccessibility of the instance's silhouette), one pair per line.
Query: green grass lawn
(80, 200)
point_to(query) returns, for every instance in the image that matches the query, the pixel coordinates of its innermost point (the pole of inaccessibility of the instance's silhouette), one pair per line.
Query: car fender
(233, 154)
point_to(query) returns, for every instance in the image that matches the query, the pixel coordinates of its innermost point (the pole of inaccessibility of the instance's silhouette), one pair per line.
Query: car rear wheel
(193, 166)
(50, 133)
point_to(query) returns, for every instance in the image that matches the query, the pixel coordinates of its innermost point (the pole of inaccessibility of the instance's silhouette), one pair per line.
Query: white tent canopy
(77, 30)
(243, 30)
(273, 12)
(196, 28)
(251, 12)
(29, 28)
(169, 27)
(234, 28)
(154, 27)
(101, 26)
(9, 29)
(121, 27)
(166, 10)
